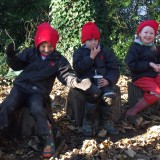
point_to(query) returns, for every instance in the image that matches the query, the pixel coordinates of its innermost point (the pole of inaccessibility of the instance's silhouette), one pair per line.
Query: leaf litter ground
(141, 143)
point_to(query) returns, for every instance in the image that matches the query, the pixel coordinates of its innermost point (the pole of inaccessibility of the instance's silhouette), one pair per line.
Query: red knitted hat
(46, 33)
(89, 31)
(150, 23)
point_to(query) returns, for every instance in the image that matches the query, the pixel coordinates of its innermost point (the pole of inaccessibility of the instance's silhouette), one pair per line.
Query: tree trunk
(75, 105)
(135, 94)
(22, 123)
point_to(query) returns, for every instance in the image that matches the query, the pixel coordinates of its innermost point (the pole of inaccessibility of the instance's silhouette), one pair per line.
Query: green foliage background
(18, 20)
(117, 21)
(69, 16)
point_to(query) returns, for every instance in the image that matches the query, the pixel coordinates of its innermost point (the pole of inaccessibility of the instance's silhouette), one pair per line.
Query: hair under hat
(89, 31)
(151, 23)
(46, 33)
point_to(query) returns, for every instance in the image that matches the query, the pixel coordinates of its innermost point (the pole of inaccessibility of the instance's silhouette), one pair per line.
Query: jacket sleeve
(81, 64)
(134, 63)
(112, 67)
(17, 61)
(64, 70)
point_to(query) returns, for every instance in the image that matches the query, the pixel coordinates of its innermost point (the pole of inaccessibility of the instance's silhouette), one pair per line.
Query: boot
(87, 120)
(48, 144)
(131, 113)
(107, 124)
(140, 106)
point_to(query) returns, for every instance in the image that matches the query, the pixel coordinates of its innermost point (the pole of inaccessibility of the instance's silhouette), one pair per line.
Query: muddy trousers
(35, 103)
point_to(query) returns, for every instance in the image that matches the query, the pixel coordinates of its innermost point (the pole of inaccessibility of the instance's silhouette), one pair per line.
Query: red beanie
(46, 33)
(89, 31)
(150, 23)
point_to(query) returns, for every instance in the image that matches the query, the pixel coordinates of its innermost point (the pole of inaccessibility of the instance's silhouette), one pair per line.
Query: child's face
(91, 43)
(46, 48)
(147, 35)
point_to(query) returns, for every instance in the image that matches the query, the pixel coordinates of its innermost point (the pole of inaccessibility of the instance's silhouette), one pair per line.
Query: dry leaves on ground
(130, 144)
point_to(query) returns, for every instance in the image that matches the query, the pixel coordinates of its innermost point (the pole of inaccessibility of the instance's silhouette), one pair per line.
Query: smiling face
(147, 35)
(91, 43)
(46, 48)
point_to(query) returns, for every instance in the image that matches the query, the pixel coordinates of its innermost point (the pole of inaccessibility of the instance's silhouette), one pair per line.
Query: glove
(92, 92)
(10, 50)
(83, 84)
(74, 82)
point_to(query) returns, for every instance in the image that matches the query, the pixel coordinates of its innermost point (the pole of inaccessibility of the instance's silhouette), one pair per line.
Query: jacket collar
(138, 41)
(54, 55)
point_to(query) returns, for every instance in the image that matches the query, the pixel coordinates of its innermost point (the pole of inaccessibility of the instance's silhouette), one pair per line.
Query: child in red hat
(143, 59)
(90, 59)
(40, 66)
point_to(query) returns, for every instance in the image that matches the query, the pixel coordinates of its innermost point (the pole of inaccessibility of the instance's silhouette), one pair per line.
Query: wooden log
(75, 105)
(135, 94)
(22, 123)
(116, 109)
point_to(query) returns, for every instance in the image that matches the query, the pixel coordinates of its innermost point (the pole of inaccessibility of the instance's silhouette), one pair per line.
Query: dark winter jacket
(38, 75)
(138, 59)
(105, 64)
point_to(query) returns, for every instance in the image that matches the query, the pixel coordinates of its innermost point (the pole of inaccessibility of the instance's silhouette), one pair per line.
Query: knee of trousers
(38, 111)
(93, 89)
(93, 95)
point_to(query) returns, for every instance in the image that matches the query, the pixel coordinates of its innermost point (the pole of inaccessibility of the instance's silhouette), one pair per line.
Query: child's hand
(103, 82)
(154, 66)
(158, 67)
(10, 50)
(94, 52)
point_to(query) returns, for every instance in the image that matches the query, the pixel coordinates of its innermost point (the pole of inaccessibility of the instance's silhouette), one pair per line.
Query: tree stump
(135, 94)
(22, 123)
(75, 105)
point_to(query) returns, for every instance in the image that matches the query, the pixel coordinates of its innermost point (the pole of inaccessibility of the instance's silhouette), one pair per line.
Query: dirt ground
(141, 143)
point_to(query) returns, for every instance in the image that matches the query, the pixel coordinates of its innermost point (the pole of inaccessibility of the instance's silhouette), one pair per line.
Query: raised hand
(94, 52)
(10, 50)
